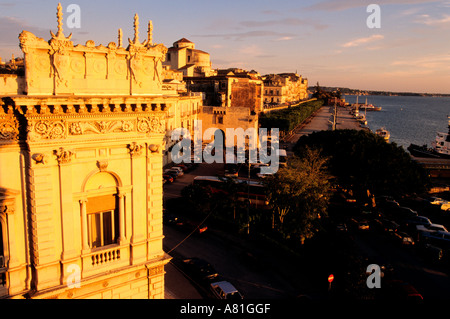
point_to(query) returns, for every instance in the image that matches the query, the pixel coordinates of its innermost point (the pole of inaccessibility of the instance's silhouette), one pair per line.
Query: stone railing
(105, 256)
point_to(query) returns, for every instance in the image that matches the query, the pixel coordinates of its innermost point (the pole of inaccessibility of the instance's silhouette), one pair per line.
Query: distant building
(185, 58)
(284, 88)
(230, 88)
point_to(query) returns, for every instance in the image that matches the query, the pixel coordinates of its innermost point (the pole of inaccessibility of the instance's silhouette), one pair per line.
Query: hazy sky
(323, 40)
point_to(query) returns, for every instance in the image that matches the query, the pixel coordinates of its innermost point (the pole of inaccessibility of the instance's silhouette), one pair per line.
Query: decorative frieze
(152, 124)
(100, 127)
(47, 129)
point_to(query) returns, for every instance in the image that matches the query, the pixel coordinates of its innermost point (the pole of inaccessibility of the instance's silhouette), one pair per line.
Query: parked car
(225, 290)
(199, 269)
(341, 228)
(179, 169)
(363, 225)
(435, 200)
(182, 166)
(173, 174)
(401, 290)
(171, 219)
(178, 173)
(389, 206)
(445, 206)
(196, 227)
(431, 227)
(417, 220)
(433, 253)
(168, 178)
(390, 226)
(403, 238)
(406, 212)
(437, 238)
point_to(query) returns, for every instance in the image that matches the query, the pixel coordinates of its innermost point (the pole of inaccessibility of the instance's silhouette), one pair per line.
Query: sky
(325, 41)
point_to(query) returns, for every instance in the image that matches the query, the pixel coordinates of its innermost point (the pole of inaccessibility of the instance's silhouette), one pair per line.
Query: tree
(365, 163)
(299, 195)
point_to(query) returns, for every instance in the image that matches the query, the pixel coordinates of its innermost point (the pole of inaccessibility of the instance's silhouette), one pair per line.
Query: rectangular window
(103, 228)
(103, 221)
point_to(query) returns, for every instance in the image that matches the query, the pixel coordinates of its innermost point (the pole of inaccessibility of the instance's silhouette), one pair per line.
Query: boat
(440, 148)
(370, 107)
(383, 133)
(361, 119)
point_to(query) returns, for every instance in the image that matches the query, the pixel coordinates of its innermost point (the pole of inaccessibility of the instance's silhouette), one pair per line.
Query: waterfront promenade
(321, 121)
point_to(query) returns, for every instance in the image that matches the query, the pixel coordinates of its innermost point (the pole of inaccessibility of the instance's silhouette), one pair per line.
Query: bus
(254, 191)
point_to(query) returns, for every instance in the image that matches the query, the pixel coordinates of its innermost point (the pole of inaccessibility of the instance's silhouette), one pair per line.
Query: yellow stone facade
(81, 150)
(284, 88)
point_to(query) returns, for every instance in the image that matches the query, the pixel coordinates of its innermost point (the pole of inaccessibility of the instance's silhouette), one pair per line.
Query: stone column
(84, 229)
(121, 196)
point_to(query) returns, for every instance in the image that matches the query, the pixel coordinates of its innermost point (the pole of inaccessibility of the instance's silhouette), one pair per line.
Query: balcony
(105, 258)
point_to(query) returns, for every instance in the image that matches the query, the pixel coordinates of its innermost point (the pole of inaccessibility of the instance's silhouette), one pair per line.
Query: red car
(168, 178)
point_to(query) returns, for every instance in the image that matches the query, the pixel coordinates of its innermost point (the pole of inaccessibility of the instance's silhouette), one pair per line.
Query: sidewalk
(322, 122)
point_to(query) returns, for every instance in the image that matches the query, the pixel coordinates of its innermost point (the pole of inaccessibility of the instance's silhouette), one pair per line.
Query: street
(260, 271)
(245, 265)
(409, 264)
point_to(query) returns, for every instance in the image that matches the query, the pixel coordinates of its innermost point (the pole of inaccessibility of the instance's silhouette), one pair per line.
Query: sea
(409, 119)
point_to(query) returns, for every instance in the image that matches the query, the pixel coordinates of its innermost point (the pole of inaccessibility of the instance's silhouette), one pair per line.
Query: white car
(432, 227)
(225, 290)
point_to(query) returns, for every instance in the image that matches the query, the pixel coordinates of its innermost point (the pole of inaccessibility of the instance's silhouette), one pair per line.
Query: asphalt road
(408, 262)
(253, 274)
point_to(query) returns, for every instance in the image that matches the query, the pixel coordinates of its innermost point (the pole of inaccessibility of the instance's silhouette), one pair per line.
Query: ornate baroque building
(82, 138)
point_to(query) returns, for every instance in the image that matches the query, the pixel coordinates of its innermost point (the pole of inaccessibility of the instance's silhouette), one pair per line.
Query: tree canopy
(361, 161)
(299, 195)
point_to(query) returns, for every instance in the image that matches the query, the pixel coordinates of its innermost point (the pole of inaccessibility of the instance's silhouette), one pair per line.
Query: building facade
(231, 99)
(229, 88)
(284, 88)
(82, 139)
